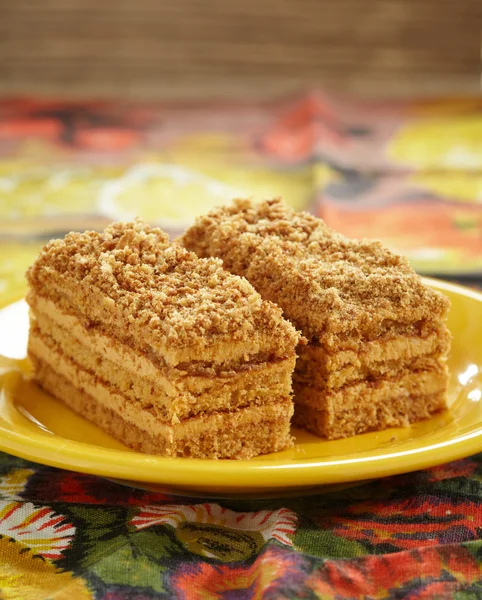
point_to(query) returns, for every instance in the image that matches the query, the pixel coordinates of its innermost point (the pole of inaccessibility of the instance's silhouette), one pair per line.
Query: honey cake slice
(377, 335)
(165, 351)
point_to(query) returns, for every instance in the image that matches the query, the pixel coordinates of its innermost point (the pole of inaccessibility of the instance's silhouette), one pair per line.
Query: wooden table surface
(194, 48)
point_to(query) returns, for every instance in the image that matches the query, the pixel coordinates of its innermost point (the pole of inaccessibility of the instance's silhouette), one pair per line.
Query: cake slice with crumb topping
(377, 336)
(165, 351)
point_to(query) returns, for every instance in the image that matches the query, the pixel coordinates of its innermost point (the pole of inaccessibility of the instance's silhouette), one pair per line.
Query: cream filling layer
(371, 353)
(61, 326)
(143, 418)
(282, 409)
(381, 358)
(47, 313)
(313, 375)
(252, 386)
(406, 384)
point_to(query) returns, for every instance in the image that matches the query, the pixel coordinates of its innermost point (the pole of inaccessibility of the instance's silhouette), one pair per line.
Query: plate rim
(225, 474)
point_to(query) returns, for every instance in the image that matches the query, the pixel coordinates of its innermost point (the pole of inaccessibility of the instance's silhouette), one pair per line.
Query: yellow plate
(37, 427)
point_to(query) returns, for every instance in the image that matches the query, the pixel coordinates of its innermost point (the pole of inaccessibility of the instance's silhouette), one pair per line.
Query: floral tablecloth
(71, 536)
(406, 172)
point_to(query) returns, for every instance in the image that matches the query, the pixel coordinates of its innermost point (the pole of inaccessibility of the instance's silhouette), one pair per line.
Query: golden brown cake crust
(178, 299)
(325, 283)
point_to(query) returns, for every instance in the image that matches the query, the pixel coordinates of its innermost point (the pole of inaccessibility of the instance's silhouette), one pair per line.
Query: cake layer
(109, 319)
(239, 434)
(404, 346)
(385, 358)
(184, 376)
(406, 384)
(328, 286)
(159, 298)
(387, 333)
(168, 400)
(350, 376)
(390, 411)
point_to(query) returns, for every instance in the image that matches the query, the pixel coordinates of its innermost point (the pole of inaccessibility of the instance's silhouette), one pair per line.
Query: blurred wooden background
(194, 48)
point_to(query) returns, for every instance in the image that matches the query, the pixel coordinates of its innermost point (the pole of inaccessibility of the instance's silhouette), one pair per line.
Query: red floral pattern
(268, 577)
(410, 523)
(428, 573)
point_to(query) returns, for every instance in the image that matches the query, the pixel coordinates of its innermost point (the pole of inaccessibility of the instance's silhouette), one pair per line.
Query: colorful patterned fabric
(365, 167)
(408, 173)
(70, 536)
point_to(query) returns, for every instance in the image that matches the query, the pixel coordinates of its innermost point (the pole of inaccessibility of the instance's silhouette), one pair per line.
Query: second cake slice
(165, 351)
(377, 336)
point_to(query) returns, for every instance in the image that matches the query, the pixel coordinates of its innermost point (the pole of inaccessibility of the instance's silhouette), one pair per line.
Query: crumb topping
(167, 289)
(323, 281)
